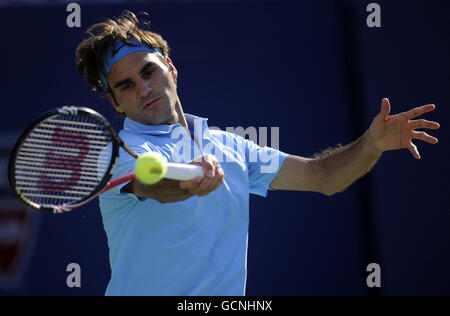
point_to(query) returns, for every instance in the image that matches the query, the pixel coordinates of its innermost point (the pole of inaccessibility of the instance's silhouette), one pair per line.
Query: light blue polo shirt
(194, 247)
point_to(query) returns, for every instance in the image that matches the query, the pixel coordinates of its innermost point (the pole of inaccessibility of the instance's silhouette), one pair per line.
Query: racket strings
(63, 159)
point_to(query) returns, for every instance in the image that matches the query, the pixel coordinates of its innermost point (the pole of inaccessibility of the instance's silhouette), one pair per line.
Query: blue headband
(120, 51)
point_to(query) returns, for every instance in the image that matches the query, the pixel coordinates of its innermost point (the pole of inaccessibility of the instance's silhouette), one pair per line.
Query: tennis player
(190, 237)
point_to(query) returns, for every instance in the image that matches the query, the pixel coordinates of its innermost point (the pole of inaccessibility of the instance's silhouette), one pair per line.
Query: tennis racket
(66, 158)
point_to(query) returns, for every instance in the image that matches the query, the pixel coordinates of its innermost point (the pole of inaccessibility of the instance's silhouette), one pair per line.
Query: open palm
(391, 132)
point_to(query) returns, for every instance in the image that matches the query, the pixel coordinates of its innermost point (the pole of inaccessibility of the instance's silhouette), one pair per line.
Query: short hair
(89, 53)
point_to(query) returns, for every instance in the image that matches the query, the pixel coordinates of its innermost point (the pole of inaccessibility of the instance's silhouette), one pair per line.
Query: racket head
(63, 159)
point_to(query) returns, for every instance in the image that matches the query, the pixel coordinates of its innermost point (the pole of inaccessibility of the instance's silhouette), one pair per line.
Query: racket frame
(101, 187)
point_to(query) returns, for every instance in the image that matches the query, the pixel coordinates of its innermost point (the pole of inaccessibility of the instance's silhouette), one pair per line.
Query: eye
(125, 87)
(148, 73)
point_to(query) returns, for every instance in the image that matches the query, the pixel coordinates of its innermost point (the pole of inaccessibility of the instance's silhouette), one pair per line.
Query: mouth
(151, 104)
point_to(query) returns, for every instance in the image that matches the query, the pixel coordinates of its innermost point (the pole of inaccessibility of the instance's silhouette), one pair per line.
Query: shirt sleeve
(263, 165)
(126, 162)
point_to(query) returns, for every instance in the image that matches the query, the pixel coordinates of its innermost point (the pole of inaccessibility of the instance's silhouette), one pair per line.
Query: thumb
(385, 108)
(208, 166)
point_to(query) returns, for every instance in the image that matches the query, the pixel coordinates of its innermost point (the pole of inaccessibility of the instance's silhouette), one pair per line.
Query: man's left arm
(335, 170)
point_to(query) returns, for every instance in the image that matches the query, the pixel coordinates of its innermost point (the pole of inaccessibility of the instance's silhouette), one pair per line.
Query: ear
(173, 70)
(113, 102)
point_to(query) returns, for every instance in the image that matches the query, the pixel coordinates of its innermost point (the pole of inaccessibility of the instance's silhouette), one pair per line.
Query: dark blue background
(312, 68)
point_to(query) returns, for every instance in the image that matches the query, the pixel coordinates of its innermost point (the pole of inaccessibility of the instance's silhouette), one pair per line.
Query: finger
(385, 108)
(217, 182)
(200, 189)
(424, 124)
(209, 166)
(414, 151)
(189, 184)
(200, 186)
(197, 161)
(425, 137)
(203, 186)
(420, 110)
(211, 159)
(221, 179)
(209, 185)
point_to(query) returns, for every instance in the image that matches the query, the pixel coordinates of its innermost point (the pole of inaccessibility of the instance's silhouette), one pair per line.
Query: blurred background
(313, 68)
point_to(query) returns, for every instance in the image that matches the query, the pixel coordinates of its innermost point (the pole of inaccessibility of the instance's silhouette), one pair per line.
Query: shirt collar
(158, 130)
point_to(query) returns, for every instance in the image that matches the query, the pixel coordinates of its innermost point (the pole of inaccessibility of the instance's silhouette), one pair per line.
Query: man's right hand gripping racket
(67, 157)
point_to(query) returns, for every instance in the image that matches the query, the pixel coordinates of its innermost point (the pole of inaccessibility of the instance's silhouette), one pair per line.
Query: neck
(180, 117)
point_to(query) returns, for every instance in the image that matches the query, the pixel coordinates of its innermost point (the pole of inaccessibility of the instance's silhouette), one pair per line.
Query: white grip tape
(176, 171)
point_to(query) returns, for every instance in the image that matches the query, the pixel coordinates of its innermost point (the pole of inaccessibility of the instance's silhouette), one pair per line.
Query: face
(144, 88)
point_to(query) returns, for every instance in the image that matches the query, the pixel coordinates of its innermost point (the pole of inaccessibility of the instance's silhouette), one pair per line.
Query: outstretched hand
(391, 132)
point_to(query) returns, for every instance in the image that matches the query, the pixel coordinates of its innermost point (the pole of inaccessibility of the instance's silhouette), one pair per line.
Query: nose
(145, 88)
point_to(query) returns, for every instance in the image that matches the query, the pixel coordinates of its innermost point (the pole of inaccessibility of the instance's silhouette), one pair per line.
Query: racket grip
(177, 171)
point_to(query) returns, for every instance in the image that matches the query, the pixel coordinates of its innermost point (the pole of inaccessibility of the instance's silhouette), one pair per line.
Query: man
(190, 237)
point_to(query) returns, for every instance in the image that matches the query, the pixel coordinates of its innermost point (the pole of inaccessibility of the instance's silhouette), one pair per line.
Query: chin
(161, 115)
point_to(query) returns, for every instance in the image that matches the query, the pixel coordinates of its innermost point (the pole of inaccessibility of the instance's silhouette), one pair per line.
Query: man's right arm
(168, 191)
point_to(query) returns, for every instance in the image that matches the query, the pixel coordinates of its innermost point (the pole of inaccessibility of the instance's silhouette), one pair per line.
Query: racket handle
(177, 171)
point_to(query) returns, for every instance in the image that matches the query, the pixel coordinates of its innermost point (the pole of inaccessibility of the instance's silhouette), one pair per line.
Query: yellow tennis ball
(150, 168)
